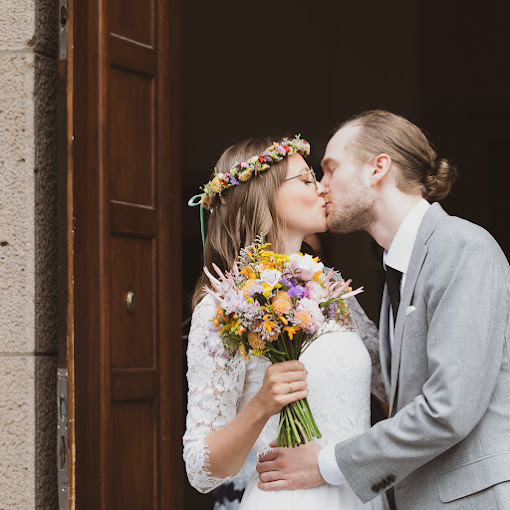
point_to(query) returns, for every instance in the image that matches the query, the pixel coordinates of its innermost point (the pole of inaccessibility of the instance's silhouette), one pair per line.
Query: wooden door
(123, 245)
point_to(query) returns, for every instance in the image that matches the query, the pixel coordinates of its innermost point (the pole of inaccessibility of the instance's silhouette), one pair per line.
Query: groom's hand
(290, 468)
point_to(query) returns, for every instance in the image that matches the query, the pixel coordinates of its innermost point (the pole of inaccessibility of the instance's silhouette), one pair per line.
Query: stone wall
(28, 254)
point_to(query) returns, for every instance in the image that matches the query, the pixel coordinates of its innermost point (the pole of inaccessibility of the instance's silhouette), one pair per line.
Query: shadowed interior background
(264, 68)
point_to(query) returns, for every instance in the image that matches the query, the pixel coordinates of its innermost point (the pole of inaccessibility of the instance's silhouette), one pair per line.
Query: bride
(233, 404)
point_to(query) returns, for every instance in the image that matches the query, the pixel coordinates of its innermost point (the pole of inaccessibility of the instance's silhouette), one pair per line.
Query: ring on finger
(290, 387)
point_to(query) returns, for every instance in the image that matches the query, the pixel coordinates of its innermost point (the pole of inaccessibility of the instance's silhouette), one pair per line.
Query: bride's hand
(283, 383)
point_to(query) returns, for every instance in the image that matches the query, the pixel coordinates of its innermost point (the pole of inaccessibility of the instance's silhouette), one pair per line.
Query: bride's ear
(379, 169)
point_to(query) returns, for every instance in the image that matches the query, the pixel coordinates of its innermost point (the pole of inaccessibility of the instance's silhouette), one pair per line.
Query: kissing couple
(440, 359)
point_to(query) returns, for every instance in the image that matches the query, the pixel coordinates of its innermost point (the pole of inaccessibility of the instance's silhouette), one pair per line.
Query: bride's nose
(321, 189)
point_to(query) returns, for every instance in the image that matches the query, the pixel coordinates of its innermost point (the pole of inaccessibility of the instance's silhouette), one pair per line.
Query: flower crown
(243, 171)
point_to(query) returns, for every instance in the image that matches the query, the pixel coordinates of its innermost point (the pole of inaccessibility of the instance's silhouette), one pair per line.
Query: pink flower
(232, 301)
(312, 309)
(316, 291)
(305, 266)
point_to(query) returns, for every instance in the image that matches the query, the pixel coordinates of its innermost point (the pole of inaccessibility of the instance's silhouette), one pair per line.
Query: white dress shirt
(397, 257)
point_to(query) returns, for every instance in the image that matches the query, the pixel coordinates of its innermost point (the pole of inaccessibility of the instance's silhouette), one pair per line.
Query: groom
(444, 337)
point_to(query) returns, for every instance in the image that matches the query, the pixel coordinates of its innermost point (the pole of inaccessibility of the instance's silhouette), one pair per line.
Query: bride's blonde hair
(247, 211)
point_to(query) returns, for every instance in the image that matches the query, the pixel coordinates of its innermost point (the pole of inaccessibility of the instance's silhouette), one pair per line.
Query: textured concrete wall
(28, 254)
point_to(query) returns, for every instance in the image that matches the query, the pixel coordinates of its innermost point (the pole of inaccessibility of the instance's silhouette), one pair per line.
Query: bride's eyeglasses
(310, 173)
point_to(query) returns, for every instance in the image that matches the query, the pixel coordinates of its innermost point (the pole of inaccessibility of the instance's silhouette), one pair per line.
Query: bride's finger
(294, 375)
(292, 397)
(292, 387)
(286, 366)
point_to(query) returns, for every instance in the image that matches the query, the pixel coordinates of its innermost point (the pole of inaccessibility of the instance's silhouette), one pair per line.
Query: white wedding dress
(339, 379)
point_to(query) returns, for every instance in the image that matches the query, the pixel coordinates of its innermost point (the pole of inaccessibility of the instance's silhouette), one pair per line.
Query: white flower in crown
(305, 266)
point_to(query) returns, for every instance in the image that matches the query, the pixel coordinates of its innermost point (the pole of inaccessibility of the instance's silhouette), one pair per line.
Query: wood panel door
(123, 184)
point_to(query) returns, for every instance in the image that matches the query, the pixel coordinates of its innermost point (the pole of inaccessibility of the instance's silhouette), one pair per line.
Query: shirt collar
(399, 254)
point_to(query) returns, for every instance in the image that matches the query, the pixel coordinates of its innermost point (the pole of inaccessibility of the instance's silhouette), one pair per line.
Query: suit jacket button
(376, 488)
(390, 479)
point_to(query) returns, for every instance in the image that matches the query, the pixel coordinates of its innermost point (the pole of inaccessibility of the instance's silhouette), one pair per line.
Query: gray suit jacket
(446, 444)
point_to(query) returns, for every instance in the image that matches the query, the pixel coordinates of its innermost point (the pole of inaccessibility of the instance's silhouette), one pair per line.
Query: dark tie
(393, 278)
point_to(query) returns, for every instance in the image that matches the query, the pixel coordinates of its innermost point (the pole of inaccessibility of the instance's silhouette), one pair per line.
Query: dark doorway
(259, 68)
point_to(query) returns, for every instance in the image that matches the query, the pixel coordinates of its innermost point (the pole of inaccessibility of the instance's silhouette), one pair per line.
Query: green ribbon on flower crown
(194, 202)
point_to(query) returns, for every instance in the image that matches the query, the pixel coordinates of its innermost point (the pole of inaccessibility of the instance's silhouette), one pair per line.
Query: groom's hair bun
(439, 182)
(411, 152)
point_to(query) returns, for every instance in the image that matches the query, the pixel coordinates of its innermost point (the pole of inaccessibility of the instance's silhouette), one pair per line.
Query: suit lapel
(419, 253)
(416, 263)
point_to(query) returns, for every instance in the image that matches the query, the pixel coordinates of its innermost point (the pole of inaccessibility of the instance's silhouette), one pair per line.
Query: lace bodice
(339, 379)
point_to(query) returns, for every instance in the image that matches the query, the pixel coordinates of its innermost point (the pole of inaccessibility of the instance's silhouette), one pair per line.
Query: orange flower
(242, 352)
(269, 325)
(273, 337)
(265, 264)
(255, 341)
(249, 272)
(291, 330)
(304, 318)
(247, 285)
(282, 303)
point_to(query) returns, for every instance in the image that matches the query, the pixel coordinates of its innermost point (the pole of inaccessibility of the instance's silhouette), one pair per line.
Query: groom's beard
(358, 215)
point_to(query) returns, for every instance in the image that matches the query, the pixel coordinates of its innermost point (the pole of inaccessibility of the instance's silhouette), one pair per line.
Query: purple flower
(283, 281)
(297, 291)
(331, 310)
(234, 181)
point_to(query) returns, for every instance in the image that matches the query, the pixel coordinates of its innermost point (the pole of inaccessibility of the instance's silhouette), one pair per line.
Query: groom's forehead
(338, 145)
(342, 138)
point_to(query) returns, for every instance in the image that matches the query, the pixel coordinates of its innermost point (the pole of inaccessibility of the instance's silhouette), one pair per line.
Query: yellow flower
(245, 176)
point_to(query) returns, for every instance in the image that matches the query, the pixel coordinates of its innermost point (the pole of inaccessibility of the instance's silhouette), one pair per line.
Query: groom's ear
(379, 169)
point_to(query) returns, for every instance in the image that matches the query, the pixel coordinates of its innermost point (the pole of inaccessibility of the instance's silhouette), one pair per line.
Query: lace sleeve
(215, 385)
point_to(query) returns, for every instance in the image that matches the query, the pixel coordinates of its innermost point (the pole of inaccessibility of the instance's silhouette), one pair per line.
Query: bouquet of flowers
(275, 306)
